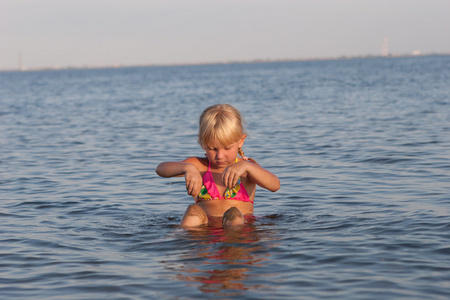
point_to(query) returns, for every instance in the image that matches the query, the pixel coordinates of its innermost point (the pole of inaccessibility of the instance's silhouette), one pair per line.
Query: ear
(242, 140)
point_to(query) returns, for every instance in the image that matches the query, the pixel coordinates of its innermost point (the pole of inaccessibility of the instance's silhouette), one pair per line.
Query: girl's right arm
(174, 168)
(194, 180)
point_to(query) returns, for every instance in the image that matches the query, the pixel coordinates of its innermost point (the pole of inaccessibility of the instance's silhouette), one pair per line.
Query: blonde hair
(222, 124)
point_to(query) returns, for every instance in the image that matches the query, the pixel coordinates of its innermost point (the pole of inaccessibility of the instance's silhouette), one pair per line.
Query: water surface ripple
(361, 147)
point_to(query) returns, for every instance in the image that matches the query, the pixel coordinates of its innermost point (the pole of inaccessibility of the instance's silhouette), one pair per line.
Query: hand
(194, 181)
(231, 174)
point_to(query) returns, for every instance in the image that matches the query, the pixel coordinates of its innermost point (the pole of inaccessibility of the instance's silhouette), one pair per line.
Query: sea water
(361, 146)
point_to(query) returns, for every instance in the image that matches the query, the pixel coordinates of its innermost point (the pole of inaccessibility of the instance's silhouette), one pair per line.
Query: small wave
(385, 160)
(444, 251)
(14, 215)
(416, 144)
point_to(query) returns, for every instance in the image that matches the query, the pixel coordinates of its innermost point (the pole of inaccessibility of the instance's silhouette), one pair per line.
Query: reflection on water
(361, 148)
(222, 260)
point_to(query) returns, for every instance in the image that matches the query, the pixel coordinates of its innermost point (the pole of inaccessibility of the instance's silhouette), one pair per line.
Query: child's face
(223, 156)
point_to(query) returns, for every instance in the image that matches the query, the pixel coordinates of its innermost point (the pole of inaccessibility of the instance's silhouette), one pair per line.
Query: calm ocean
(362, 148)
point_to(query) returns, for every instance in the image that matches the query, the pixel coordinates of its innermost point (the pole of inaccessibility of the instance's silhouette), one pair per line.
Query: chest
(214, 184)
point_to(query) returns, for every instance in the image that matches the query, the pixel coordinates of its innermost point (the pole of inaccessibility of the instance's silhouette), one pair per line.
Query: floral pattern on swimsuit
(209, 190)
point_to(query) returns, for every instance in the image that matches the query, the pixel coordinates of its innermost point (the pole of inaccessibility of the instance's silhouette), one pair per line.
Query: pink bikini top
(210, 192)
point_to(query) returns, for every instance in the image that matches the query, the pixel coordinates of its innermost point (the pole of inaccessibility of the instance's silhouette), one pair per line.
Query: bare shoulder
(199, 162)
(250, 160)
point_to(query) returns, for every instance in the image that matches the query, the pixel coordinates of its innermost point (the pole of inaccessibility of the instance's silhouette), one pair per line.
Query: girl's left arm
(255, 173)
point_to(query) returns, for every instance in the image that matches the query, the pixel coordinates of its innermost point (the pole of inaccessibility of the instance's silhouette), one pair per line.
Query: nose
(219, 154)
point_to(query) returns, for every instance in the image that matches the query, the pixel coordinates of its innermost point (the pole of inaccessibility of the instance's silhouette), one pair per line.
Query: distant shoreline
(254, 61)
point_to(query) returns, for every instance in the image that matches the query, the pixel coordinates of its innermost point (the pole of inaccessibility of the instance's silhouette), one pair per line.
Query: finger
(230, 181)
(189, 187)
(196, 191)
(192, 191)
(194, 188)
(235, 180)
(227, 179)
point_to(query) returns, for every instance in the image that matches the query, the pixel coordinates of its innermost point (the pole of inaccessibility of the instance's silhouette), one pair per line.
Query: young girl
(222, 184)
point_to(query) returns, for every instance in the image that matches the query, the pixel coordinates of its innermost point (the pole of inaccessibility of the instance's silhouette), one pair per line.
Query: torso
(216, 208)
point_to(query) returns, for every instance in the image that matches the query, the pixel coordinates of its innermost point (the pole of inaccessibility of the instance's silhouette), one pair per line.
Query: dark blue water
(362, 148)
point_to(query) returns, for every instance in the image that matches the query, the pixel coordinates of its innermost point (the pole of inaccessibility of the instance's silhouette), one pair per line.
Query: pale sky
(76, 33)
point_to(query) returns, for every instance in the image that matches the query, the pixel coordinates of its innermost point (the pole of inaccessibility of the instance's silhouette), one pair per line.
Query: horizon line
(253, 61)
